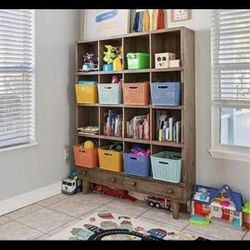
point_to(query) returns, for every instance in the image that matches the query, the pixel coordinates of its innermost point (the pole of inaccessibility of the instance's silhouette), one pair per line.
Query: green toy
(199, 220)
(111, 53)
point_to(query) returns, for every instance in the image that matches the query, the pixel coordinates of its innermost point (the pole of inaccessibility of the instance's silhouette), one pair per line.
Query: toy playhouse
(211, 203)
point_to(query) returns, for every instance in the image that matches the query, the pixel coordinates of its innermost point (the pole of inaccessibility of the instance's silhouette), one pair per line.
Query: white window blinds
(17, 118)
(231, 56)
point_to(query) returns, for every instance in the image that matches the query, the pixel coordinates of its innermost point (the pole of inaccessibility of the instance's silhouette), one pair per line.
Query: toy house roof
(212, 192)
(236, 198)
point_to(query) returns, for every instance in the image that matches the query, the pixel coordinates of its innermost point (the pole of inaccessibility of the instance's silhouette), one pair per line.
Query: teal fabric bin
(166, 166)
(109, 93)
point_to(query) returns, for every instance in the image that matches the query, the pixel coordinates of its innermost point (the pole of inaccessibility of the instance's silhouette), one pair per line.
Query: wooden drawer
(171, 191)
(103, 177)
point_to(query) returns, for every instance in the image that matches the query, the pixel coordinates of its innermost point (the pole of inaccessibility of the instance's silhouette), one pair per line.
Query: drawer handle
(170, 191)
(133, 183)
(113, 179)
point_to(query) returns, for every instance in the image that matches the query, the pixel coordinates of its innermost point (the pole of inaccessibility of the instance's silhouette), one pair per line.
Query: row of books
(113, 124)
(168, 127)
(138, 127)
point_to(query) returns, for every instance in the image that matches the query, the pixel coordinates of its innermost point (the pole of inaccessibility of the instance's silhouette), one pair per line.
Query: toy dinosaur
(111, 53)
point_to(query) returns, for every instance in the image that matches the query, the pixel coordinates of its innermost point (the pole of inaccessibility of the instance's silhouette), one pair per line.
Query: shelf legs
(85, 187)
(175, 209)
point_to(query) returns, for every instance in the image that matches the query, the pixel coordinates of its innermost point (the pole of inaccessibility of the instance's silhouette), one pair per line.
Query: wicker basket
(166, 166)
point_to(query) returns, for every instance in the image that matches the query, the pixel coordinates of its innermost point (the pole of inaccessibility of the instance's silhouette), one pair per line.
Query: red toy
(123, 194)
(159, 202)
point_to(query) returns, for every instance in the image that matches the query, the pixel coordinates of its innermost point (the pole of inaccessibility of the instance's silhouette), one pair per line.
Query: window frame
(33, 141)
(218, 150)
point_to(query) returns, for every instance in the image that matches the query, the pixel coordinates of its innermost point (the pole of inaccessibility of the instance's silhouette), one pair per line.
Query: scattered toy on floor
(72, 184)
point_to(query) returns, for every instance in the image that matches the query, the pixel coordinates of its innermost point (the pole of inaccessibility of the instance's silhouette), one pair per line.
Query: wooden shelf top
(135, 34)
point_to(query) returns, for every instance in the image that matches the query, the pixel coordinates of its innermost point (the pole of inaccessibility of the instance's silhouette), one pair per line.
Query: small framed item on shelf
(180, 15)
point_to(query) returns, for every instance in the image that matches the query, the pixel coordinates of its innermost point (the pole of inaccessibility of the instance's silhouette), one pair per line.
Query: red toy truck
(158, 202)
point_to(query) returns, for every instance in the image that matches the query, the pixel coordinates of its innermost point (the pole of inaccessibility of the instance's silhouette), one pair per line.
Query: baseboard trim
(19, 201)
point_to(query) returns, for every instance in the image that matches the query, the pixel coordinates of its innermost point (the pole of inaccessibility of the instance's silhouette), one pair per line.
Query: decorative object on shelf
(100, 23)
(162, 60)
(160, 19)
(246, 214)
(92, 130)
(90, 62)
(180, 15)
(116, 79)
(220, 203)
(72, 184)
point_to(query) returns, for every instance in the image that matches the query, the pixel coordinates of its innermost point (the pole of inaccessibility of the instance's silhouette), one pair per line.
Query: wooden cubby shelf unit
(176, 40)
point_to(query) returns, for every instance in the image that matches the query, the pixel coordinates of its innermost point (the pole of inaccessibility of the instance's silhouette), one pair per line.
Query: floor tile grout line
(245, 234)
(42, 235)
(142, 213)
(25, 214)
(30, 227)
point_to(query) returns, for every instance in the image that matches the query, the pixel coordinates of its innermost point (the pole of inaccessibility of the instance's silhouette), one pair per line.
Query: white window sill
(229, 155)
(18, 147)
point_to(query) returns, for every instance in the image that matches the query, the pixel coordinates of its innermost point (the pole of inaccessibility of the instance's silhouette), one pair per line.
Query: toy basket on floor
(166, 166)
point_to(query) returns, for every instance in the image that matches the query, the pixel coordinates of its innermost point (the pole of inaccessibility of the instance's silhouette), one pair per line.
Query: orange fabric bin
(86, 93)
(85, 157)
(136, 93)
(110, 160)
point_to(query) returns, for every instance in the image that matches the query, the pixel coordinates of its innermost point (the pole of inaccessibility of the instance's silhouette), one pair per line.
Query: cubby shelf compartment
(176, 40)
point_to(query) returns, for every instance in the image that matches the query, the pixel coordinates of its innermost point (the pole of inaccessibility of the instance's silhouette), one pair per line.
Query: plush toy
(111, 53)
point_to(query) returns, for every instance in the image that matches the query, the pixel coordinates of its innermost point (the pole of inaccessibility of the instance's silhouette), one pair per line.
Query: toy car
(71, 185)
(158, 202)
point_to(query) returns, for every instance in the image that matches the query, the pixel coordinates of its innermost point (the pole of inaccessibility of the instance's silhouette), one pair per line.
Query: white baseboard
(19, 201)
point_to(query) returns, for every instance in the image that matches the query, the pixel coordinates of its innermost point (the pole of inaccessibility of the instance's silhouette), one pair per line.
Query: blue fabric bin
(137, 165)
(165, 93)
(110, 93)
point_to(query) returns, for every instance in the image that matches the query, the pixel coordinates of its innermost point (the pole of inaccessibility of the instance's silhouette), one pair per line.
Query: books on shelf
(113, 124)
(138, 127)
(168, 128)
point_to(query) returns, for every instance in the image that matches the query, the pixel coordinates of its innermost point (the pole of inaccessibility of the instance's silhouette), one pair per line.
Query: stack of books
(113, 124)
(138, 127)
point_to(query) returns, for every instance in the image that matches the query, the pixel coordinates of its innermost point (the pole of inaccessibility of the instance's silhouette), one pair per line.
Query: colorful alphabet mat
(104, 225)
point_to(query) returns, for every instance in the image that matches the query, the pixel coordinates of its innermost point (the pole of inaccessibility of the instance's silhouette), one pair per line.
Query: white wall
(210, 171)
(30, 168)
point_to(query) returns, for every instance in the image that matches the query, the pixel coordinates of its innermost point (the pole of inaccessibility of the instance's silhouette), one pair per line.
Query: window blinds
(231, 56)
(16, 77)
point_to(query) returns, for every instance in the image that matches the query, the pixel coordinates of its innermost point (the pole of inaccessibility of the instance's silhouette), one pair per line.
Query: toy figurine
(90, 62)
(112, 57)
(158, 202)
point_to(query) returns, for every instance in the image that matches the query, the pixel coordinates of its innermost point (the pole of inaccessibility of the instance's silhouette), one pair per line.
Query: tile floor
(43, 219)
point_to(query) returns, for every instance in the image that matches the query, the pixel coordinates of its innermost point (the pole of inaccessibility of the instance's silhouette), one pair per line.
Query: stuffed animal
(111, 53)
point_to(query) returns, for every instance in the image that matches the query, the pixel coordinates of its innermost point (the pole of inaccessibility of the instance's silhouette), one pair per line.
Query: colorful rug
(104, 225)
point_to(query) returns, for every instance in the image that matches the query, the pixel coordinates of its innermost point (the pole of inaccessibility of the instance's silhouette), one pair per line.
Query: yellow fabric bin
(86, 93)
(110, 160)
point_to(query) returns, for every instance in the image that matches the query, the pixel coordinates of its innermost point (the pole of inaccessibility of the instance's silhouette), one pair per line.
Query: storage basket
(85, 157)
(136, 93)
(138, 60)
(165, 93)
(137, 165)
(86, 93)
(110, 159)
(166, 166)
(110, 93)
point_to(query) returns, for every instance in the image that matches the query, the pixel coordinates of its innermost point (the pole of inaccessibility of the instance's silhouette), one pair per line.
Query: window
(230, 42)
(17, 116)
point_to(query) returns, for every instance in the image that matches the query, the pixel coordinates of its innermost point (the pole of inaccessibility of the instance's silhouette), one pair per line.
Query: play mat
(104, 225)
